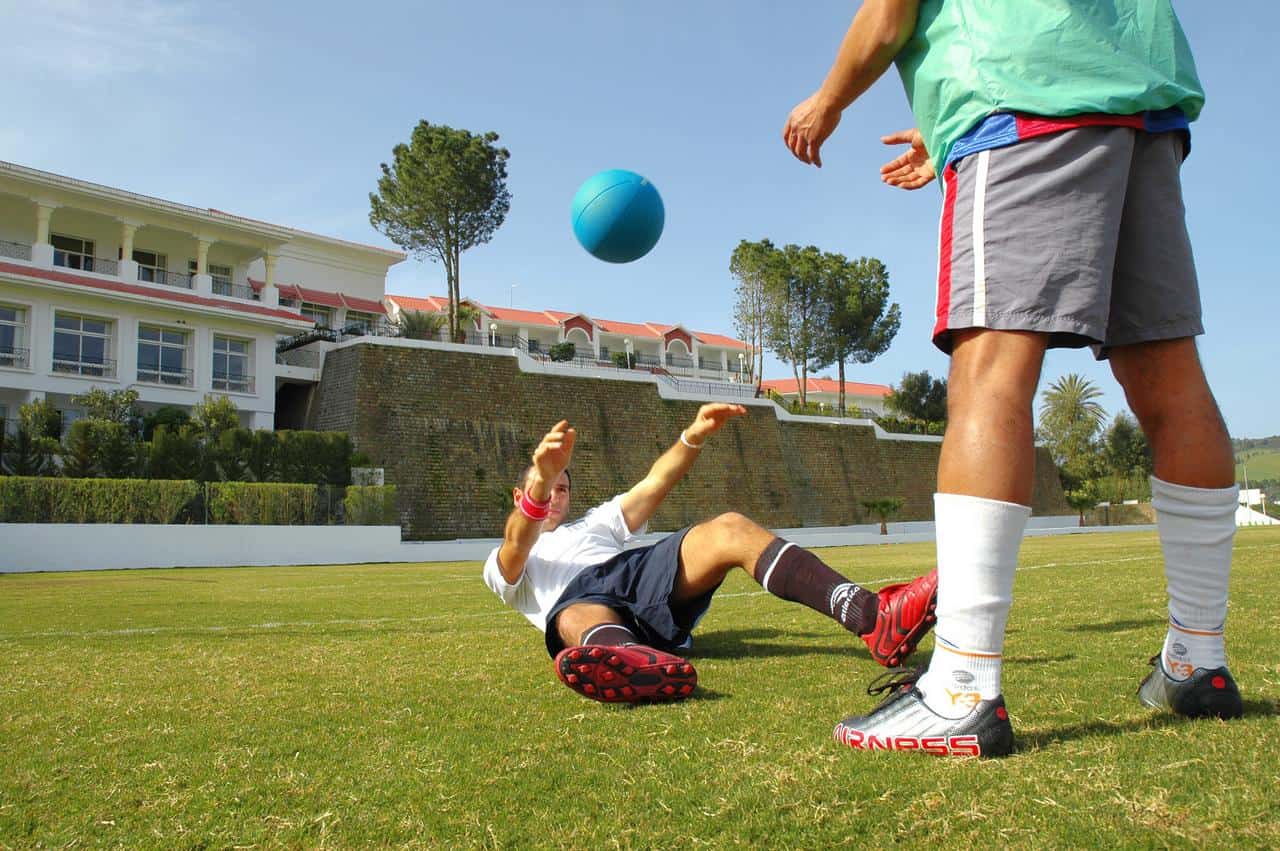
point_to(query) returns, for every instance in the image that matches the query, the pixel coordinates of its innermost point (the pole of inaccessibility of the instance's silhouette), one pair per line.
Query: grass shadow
(1254, 708)
(1038, 660)
(1038, 740)
(761, 643)
(1117, 626)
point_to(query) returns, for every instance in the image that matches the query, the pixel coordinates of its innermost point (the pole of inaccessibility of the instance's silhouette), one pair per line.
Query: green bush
(261, 503)
(29, 499)
(322, 457)
(562, 351)
(623, 360)
(908, 425)
(371, 505)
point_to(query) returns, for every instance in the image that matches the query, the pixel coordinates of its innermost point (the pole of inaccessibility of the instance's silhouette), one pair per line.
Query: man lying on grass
(613, 617)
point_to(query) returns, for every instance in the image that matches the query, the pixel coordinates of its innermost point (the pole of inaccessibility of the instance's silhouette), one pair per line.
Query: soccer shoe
(905, 613)
(628, 673)
(902, 722)
(1207, 693)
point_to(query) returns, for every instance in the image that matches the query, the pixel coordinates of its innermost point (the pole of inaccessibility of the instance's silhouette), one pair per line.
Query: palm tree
(1069, 422)
(419, 325)
(467, 316)
(1070, 399)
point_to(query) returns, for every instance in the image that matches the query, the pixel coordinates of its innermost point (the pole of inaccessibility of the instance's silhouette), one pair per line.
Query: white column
(203, 281)
(128, 266)
(41, 250)
(126, 354)
(270, 295)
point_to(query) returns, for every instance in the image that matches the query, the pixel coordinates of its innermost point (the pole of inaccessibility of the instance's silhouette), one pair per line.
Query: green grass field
(403, 706)
(1262, 464)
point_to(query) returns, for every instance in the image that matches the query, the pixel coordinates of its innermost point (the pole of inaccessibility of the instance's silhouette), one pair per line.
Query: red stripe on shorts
(943, 310)
(1030, 126)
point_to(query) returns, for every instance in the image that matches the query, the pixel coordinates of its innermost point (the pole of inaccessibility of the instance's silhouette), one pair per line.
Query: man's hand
(808, 126)
(711, 418)
(553, 454)
(914, 168)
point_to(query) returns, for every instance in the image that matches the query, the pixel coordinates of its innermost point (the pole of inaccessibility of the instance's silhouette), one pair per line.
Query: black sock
(608, 635)
(793, 573)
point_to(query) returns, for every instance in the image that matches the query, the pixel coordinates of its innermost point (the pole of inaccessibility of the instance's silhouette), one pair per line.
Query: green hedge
(261, 503)
(371, 505)
(31, 499)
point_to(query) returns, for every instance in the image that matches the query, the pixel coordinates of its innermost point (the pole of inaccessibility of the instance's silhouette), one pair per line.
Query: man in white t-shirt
(613, 616)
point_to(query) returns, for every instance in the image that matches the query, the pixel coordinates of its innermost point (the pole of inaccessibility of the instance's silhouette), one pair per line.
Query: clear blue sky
(283, 110)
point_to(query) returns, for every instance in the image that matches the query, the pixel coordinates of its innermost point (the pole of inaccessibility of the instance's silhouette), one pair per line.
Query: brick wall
(454, 429)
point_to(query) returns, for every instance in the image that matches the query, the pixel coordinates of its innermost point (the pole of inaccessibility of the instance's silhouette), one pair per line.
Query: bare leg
(711, 549)
(1167, 390)
(576, 619)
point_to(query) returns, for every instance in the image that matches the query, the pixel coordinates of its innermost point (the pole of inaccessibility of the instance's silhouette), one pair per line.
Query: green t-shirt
(970, 58)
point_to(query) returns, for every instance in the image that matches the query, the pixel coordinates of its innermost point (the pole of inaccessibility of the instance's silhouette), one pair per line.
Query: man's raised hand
(554, 452)
(912, 169)
(711, 418)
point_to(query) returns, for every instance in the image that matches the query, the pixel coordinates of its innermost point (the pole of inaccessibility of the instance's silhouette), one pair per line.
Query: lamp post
(626, 344)
(741, 358)
(493, 333)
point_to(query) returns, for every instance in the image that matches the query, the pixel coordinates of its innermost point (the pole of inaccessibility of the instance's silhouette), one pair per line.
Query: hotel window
(13, 336)
(322, 316)
(162, 356)
(82, 345)
(362, 322)
(151, 266)
(72, 252)
(221, 276)
(231, 365)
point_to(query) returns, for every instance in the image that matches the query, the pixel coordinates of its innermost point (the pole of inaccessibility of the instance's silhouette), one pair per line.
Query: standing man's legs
(985, 478)
(1194, 494)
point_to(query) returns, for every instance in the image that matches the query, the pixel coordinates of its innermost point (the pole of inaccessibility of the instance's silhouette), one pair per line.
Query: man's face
(559, 508)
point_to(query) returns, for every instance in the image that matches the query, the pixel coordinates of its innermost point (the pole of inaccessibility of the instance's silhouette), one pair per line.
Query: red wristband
(533, 509)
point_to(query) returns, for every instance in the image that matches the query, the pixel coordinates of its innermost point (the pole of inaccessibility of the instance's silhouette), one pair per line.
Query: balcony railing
(713, 365)
(167, 377)
(156, 275)
(309, 358)
(15, 250)
(233, 383)
(14, 357)
(85, 262)
(100, 368)
(221, 286)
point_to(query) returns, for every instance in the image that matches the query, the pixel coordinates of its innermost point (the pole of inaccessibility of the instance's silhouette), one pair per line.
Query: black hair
(524, 477)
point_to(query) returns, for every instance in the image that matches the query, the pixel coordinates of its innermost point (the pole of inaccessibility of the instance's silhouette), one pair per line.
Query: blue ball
(617, 216)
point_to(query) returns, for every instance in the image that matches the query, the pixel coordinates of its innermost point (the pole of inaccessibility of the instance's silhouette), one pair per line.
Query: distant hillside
(1262, 464)
(1244, 443)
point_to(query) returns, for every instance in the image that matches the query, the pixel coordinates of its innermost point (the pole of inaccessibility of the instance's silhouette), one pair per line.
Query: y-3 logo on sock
(1180, 668)
(967, 699)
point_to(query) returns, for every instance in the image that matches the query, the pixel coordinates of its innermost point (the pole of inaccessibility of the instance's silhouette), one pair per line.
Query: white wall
(33, 547)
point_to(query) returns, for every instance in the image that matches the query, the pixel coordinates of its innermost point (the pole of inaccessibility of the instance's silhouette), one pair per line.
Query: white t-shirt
(558, 557)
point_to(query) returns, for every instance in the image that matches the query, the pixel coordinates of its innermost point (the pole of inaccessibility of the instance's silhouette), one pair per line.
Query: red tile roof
(553, 318)
(362, 304)
(163, 294)
(789, 386)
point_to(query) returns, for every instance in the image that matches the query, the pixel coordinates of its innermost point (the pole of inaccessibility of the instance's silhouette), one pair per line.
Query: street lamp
(626, 344)
(493, 333)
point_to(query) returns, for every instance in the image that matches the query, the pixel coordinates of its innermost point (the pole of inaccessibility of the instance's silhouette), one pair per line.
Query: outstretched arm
(639, 503)
(878, 32)
(549, 460)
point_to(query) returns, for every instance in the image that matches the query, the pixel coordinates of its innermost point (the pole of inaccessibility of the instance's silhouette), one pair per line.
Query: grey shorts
(1080, 235)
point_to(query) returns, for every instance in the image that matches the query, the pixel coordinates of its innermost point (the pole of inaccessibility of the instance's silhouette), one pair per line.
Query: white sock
(1196, 526)
(978, 541)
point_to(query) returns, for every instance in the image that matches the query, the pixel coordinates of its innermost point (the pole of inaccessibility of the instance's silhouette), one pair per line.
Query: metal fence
(103, 368)
(13, 356)
(164, 277)
(221, 286)
(15, 250)
(167, 377)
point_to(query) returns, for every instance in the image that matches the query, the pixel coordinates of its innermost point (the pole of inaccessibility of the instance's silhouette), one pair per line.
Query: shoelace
(895, 679)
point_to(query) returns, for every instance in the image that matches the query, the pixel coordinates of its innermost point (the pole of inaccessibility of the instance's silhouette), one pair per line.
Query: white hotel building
(103, 287)
(100, 287)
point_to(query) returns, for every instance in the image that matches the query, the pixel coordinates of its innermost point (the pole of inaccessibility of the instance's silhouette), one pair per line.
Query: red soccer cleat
(906, 612)
(629, 673)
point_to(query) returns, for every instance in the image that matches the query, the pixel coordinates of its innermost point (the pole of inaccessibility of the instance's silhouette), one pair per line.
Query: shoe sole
(911, 638)
(612, 675)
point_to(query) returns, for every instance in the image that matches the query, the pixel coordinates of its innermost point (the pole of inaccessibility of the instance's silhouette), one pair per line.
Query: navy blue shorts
(637, 584)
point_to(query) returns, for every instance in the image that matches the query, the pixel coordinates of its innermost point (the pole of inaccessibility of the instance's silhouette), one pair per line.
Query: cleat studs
(595, 653)
(668, 689)
(584, 669)
(686, 688)
(686, 669)
(628, 671)
(575, 655)
(572, 678)
(670, 670)
(628, 691)
(614, 660)
(589, 688)
(606, 675)
(610, 693)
